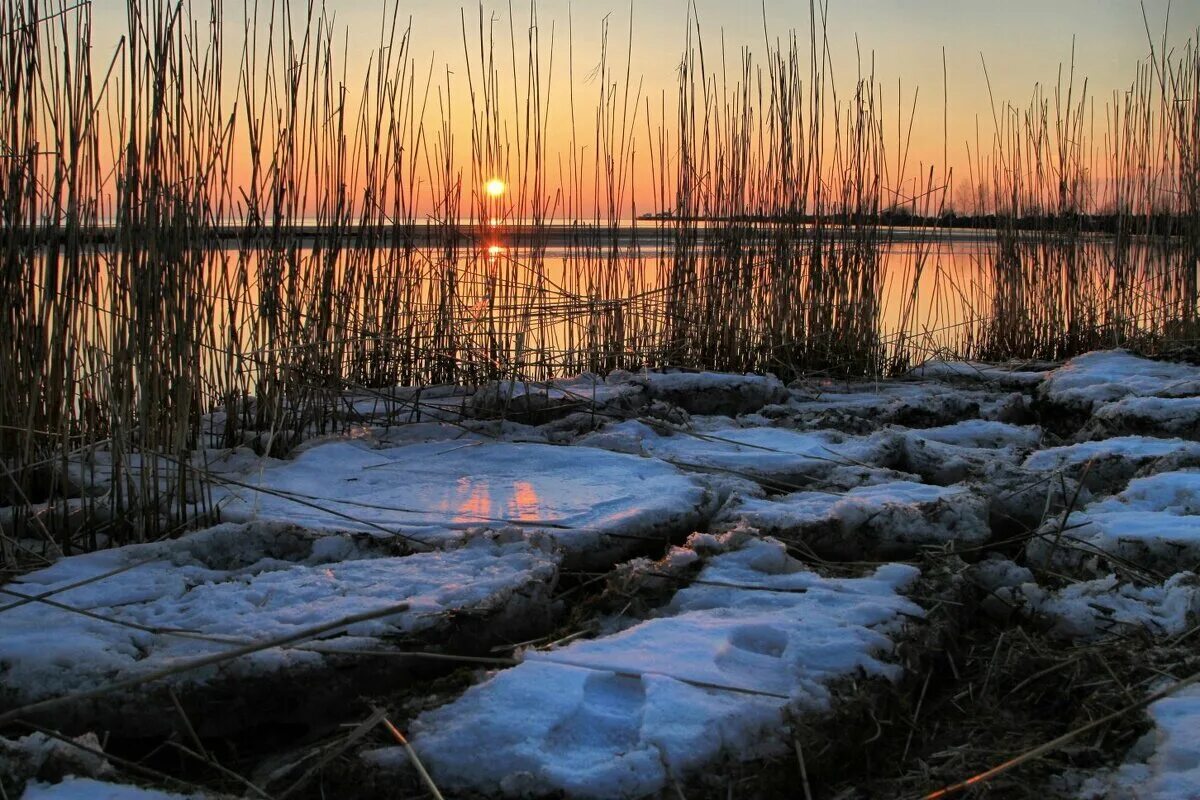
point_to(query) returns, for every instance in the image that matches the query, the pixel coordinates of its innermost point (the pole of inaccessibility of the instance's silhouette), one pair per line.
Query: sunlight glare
(495, 187)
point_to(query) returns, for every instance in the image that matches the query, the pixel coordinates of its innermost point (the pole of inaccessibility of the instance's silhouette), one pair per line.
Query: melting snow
(1165, 763)
(47, 651)
(770, 455)
(73, 788)
(882, 520)
(618, 716)
(1104, 376)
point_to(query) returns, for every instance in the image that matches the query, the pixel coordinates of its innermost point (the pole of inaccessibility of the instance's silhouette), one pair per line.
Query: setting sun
(495, 187)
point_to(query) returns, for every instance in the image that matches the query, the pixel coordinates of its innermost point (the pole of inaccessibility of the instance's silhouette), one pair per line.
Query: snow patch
(619, 716)
(87, 789)
(885, 520)
(185, 609)
(769, 455)
(1105, 376)
(1165, 764)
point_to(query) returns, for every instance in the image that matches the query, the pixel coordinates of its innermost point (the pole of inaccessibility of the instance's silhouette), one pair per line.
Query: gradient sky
(1023, 41)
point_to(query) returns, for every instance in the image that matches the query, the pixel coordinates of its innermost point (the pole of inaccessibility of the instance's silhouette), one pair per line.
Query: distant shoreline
(644, 230)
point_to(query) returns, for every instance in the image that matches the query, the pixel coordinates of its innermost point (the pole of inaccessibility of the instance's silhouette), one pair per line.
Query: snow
(886, 519)
(1165, 763)
(1003, 375)
(1095, 609)
(1137, 450)
(1154, 522)
(1109, 375)
(72, 788)
(1166, 416)
(770, 455)
(47, 651)
(986, 434)
(1171, 492)
(621, 715)
(549, 399)
(1154, 540)
(430, 492)
(902, 403)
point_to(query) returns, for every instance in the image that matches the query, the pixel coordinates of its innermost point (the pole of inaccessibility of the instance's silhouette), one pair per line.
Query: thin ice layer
(617, 716)
(47, 651)
(428, 491)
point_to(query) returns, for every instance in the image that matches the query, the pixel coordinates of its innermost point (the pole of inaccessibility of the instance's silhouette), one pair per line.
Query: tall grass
(209, 246)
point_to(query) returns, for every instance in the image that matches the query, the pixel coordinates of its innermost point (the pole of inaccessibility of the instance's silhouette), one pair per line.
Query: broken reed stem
(332, 752)
(1053, 744)
(803, 769)
(212, 763)
(198, 663)
(416, 760)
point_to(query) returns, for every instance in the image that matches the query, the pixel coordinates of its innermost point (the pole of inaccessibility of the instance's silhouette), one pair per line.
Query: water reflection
(477, 499)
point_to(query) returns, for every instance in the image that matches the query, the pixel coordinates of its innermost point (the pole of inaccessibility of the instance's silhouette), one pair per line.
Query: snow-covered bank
(714, 675)
(1060, 504)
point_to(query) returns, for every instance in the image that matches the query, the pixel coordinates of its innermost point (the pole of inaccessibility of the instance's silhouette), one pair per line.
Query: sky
(1022, 43)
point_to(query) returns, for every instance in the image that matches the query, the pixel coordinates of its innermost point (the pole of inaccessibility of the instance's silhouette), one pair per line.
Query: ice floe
(1108, 464)
(716, 675)
(1158, 416)
(594, 503)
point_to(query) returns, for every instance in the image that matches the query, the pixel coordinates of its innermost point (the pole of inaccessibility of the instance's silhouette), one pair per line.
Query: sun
(495, 187)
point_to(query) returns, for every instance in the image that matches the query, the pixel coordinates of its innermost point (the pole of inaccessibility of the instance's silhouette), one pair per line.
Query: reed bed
(207, 245)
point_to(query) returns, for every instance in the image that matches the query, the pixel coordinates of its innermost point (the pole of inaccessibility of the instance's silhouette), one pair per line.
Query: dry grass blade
(198, 663)
(416, 761)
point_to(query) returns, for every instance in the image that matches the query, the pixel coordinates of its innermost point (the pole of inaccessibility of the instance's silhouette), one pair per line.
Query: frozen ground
(499, 514)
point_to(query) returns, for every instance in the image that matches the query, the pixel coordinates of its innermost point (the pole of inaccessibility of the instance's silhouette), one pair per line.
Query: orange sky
(1022, 41)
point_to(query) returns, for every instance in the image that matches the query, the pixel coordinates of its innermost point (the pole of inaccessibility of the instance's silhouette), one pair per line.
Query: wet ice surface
(427, 493)
(620, 715)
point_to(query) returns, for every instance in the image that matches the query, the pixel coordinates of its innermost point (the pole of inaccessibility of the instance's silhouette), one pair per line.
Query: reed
(209, 245)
